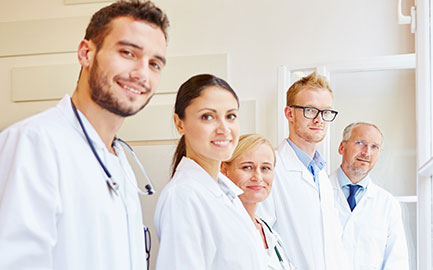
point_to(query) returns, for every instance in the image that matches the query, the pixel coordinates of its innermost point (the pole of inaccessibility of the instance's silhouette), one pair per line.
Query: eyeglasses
(312, 113)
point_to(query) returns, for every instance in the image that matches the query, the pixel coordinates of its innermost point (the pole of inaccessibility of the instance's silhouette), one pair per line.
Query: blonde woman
(251, 168)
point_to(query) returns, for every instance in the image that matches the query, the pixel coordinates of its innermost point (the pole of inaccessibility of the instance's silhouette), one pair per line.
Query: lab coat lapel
(370, 194)
(202, 178)
(339, 197)
(292, 163)
(65, 106)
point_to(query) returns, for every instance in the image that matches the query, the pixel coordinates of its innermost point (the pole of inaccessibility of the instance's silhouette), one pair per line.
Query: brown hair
(188, 91)
(312, 81)
(99, 25)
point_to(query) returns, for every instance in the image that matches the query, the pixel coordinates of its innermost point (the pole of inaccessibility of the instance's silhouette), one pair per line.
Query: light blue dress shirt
(344, 181)
(314, 165)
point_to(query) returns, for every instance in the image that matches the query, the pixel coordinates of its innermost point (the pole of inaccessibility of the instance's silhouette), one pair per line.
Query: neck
(353, 177)
(212, 167)
(307, 147)
(104, 122)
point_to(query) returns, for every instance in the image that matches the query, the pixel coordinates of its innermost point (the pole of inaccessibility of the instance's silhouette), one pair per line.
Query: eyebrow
(130, 44)
(213, 110)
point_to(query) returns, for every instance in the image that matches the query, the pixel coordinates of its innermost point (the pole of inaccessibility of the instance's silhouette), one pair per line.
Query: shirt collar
(343, 180)
(305, 159)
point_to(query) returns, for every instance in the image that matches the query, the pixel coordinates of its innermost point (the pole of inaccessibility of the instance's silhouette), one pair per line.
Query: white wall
(258, 36)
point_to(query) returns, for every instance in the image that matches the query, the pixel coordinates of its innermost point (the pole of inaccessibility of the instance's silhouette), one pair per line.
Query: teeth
(221, 142)
(132, 90)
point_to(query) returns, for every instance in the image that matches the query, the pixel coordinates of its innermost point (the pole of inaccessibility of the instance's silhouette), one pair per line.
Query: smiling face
(210, 126)
(305, 131)
(361, 152)
(253, 172)
(124, 72)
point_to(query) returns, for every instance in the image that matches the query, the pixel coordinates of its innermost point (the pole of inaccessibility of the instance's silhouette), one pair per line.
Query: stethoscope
(113, 186)
(286, 265)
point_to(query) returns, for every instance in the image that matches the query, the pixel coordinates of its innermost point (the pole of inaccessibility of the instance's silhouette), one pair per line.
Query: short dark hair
(99, 25)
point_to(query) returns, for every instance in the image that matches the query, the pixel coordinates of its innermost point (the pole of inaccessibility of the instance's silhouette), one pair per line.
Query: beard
(101, 94)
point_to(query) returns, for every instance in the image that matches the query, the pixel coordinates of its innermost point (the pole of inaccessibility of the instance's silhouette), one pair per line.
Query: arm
(28, 201)
(185, 238)
(396, 253)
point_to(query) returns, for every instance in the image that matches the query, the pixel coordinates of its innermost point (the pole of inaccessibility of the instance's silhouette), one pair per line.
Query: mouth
(256, 187)
(221, 143)
(133, 89)
(363, 160)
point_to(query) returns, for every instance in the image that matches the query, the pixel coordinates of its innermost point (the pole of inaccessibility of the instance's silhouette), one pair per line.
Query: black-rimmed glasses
(312, 113)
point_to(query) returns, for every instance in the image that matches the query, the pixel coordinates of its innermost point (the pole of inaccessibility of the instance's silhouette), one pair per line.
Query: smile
(255, 188)
(135, 91)
(221, 142)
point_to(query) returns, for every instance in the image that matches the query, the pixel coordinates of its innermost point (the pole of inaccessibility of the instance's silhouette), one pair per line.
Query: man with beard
(68, 197)
(373, 231)
(301, 207)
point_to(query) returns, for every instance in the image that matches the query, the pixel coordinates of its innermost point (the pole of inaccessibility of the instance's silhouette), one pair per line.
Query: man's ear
(86, 53)
(341, 148)
(179, 124)
(288, 112)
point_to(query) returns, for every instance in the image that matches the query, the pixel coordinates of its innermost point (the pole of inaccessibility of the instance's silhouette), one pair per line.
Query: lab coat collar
(291, 162)
(65, 106)
(224, 186)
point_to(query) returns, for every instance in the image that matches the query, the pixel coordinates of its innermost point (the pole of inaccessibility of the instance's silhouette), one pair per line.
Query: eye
(207, 117)
(327, 112)
(266, 168)
(155, 65)
(359, 143)
(232, 116)
(127, 53)
(375, 147)
(247, 167)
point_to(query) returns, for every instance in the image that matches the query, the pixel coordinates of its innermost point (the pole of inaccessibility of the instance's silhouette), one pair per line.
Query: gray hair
(347, 132)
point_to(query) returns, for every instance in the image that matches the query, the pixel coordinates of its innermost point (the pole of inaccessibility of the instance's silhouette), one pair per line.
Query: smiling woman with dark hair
(200, 220)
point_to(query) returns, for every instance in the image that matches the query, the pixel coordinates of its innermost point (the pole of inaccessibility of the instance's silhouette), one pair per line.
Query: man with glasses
(300, 207)
(373, 231)
(68, 196)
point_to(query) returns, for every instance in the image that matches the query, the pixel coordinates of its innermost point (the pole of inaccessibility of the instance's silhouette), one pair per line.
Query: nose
(318, 118)
(140, 71)
(222, 127)
(257, 175)
(366, 150)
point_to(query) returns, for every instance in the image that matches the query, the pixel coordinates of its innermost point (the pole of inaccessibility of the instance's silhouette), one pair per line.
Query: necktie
(351, 199)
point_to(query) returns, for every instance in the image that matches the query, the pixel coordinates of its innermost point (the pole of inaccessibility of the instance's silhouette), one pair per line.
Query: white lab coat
(373, 233)
(200, 226)
(307, 224)
(56, 211)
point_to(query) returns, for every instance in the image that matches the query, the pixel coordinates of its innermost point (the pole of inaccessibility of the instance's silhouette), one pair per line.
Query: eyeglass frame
(318, 111)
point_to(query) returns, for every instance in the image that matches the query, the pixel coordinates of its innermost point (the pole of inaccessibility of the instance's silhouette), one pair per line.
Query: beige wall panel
(181, 68)
(73, 2)
(43, 82)
(155, 122)
(42, 36)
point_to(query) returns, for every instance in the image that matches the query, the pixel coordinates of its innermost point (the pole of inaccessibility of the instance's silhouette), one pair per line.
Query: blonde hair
(248, 141)
(312, 81)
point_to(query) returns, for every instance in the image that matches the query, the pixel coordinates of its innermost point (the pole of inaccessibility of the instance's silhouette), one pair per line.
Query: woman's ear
(179, 124)
(224, 169)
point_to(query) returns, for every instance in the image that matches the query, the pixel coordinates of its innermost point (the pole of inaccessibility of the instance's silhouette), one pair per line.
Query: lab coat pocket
(372, 251)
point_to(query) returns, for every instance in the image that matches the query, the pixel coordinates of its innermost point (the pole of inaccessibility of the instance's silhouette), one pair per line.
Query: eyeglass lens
(311, 113)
